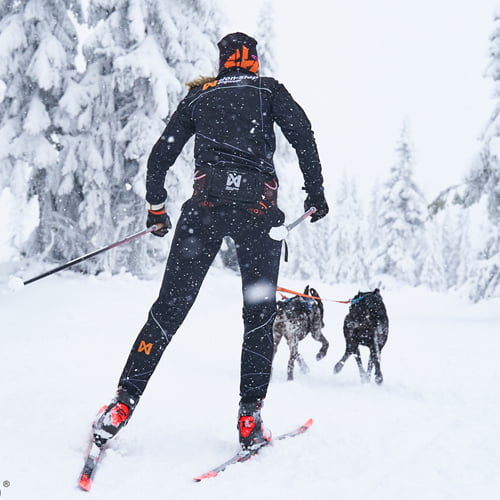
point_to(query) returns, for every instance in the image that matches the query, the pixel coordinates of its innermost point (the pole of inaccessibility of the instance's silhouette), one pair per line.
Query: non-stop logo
(145, 348)
(233, 181)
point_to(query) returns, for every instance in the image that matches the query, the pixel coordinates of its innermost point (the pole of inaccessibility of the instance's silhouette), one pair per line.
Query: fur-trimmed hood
(201, 80)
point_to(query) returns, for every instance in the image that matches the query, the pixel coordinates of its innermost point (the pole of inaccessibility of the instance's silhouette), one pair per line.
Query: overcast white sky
(360, 67)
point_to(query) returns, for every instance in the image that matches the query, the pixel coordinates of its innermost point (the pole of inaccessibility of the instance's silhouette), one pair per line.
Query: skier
(235, 194)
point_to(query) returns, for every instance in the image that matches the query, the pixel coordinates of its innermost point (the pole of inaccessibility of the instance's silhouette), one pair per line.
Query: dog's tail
(313, 292)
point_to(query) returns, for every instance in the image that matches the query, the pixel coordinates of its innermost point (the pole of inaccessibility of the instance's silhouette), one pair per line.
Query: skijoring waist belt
(234, 185)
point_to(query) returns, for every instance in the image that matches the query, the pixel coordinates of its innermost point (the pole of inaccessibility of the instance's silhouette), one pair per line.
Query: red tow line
(285, 290)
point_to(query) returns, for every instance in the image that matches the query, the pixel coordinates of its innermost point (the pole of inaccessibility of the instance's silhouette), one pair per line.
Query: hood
(238, 50)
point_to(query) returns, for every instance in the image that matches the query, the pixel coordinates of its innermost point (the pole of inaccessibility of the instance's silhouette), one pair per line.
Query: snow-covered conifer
(401, 219)
(139, 56)
(483, 182)
(266, 38)
(347, 250)
(448, 251)
(38, 45)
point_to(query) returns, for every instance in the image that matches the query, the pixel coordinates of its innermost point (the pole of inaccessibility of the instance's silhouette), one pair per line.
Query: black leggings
(197, 239)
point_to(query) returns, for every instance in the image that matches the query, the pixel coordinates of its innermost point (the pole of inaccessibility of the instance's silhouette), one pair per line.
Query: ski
(244, 455)
(94, 453)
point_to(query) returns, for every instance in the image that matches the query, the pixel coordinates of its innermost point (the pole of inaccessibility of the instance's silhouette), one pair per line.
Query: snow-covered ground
(430, 431)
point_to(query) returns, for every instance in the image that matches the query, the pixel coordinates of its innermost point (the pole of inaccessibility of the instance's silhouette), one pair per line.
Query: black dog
(366, 324)
(295, 318)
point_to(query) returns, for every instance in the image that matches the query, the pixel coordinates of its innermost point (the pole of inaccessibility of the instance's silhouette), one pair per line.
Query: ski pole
(94, 253)
(300, 219)
(281, 232)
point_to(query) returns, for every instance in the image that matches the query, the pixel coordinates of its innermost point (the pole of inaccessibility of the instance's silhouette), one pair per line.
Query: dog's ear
(306, 290)
(376, 291)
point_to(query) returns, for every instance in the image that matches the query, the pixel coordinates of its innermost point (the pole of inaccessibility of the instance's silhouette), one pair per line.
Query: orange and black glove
(157, 216)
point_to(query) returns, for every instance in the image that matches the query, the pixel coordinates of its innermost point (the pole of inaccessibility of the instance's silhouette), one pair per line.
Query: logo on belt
(233, 181)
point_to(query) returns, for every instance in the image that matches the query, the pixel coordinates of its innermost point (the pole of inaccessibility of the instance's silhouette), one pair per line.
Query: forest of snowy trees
(79, 115)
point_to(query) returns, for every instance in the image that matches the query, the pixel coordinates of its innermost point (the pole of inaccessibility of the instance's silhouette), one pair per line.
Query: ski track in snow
(430, 431)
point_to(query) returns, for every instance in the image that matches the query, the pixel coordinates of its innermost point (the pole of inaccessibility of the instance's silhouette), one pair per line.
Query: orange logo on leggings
(143, 347)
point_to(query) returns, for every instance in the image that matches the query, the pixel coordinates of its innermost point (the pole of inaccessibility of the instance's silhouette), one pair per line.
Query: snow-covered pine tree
(266, 39)
(348, 256)
(401, 220)
(448, 255)
(373, 235)
(139, 55)
(38, 45)
(483, 188)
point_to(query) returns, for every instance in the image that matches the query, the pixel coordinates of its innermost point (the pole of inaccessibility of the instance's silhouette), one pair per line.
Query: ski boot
(252, 432)
(111, 418)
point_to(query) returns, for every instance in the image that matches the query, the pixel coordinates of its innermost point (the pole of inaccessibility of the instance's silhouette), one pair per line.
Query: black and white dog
(366, 324)
(295, 318)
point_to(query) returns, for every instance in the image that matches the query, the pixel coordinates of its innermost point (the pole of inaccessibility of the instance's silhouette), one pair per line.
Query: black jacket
(232, 118)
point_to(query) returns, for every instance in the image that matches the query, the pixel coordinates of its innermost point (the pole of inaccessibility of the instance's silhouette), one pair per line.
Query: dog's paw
(320, 355)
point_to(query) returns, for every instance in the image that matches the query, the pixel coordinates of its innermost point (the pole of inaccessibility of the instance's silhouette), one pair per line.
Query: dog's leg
(276, 341)
(290, 368)
(324, 347)
(375, 359)
(364, 376)
(295, 356)
(303, 365)
(318, 335)
(293, 344)
(340, 364)
(370, 366)
(315, 328)
(277, 336)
